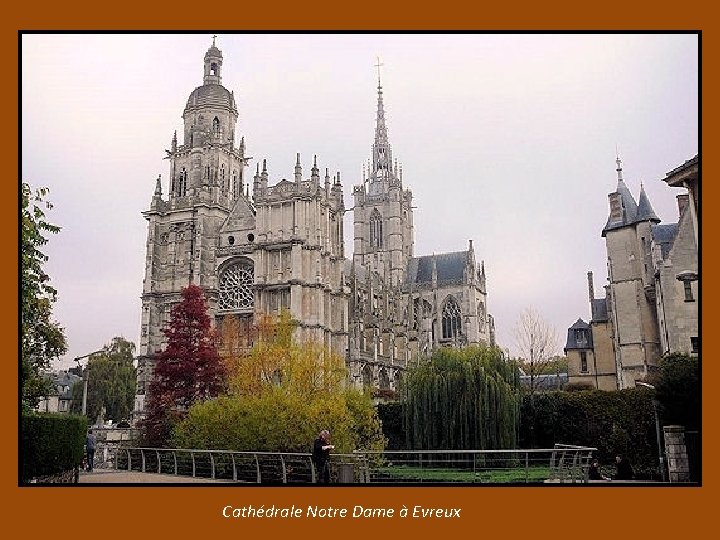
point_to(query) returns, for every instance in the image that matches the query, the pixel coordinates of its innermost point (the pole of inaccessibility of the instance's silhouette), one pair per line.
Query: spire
(173, 143)
(380, 171)
(298, 169)
(645, 210)
(158, 187)
(315, 172)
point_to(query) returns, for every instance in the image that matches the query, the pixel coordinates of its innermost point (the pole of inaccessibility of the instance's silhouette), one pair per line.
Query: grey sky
(505, 139)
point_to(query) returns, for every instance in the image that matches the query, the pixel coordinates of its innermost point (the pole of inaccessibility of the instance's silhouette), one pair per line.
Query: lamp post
(661, 455)
(86, 377)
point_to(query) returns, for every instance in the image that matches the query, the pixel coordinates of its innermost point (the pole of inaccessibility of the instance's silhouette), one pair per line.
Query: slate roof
(450, 267)
(664, 235)
(645, 210)
(63, 379)
(572, 341)
(599, 309)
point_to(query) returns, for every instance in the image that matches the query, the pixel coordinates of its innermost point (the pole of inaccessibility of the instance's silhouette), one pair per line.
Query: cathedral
(256, 247)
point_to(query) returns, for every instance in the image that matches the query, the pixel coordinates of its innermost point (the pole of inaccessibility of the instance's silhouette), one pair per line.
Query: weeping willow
(463, 399)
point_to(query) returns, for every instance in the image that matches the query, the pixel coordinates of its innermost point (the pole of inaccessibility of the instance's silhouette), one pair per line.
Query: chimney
(682, 202)
(591, 293)
(616, 209)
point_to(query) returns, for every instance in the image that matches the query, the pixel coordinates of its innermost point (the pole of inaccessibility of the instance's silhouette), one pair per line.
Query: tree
(187, 371)
(678, 390)
(281, 394)
(112, 380)
(42, 339)
(537, 343)
(463, 399)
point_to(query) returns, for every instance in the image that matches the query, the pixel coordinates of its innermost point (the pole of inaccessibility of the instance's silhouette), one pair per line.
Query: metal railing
(561, 464)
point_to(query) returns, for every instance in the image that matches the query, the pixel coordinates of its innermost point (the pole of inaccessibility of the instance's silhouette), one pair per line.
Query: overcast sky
(508, 140)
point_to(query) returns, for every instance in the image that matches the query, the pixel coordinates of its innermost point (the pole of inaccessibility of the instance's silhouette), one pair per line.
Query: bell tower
(206, 182)
(383, 218)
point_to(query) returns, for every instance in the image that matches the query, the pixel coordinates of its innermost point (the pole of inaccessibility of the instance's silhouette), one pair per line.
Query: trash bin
(346, 473)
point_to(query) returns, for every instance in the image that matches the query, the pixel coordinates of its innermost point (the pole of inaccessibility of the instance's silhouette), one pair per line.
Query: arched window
(236, 287)
(216, 125)
(384, 379)
(451, 319)
(376, 232)
(213, 68)
(367, 375)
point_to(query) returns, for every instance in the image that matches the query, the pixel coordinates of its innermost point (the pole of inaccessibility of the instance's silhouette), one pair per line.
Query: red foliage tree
(189, 370)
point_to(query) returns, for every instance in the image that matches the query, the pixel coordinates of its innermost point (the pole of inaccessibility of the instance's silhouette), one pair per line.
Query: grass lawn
(492, 476)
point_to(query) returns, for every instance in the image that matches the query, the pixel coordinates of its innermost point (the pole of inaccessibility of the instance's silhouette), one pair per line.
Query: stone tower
(384, 241)
(206, 181)
(628, 238)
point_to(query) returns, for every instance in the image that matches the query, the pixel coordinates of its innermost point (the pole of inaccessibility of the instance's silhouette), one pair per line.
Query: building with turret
(258, 246)
(649, 307)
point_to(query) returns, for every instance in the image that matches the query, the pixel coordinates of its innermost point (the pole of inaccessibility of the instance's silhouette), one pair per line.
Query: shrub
(620, 422)
(51, 444)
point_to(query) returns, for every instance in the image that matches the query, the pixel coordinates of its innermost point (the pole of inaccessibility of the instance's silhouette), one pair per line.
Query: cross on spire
(214, 40)
(378, 66)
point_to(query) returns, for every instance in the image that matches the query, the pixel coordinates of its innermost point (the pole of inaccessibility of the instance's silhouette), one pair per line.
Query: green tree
(112, 379)
(463, 399)
(281, 395)
(42, 339)
(678, 390)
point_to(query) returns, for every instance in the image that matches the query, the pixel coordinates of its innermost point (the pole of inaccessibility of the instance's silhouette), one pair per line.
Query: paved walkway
(125, 477)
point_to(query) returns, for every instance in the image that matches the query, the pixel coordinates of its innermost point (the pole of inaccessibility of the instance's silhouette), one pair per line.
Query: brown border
(195, 512)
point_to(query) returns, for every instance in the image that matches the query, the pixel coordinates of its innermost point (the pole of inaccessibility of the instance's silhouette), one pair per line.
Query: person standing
(90, 442)
(624, 469)
(321, 456)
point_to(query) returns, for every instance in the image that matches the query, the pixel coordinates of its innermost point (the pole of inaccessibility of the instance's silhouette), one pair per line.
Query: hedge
(619, 422)
(51, 444)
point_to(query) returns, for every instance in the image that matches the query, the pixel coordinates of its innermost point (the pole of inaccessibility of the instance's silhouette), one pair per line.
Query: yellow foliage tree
(281, 394)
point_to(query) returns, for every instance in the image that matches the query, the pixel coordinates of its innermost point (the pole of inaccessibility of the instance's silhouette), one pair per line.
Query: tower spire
(380, 171)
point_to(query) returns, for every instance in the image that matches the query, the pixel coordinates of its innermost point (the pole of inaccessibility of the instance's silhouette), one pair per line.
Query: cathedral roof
(211, 95)
(664, 235)
(450, 267)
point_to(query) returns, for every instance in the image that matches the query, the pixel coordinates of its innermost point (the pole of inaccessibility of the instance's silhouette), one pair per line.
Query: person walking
(90, 442)
(321, 456)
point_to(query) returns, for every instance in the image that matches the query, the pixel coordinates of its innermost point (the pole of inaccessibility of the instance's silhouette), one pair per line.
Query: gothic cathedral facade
(281, 246)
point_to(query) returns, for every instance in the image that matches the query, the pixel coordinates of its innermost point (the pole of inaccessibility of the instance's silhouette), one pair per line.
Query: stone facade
(282, 246)
(650, 306)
